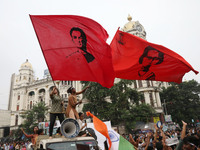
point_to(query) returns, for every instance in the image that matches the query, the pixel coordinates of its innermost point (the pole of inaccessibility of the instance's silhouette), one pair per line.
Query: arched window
(31, 93)
(41, 91)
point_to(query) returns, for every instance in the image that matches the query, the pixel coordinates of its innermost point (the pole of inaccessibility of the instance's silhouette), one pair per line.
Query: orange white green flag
(115, 141)
(118, 141)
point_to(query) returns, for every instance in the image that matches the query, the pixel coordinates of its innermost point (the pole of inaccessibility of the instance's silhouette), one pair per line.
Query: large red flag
(75, 48)
(100, 126)
(137, 59)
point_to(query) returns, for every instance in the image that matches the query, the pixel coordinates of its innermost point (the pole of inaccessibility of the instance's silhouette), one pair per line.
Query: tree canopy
(33, 116)
(182, 101)
(119, 104)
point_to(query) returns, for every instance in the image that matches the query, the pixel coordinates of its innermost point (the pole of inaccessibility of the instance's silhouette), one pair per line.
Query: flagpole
(41, 49)
(86, 91)
(45, 58)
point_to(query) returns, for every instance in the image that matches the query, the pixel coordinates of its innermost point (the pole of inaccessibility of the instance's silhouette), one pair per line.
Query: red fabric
(137, 59)
(100, 127)
(84, 55)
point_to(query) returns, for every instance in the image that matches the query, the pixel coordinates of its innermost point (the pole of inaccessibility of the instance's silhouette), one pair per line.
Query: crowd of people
(17, 145)
(185, 139)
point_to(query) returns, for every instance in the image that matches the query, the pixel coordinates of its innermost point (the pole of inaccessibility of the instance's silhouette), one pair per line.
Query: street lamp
(165, 108)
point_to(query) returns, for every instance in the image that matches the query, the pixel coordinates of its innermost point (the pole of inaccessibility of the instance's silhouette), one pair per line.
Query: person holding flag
(72, 103)
(56, 109)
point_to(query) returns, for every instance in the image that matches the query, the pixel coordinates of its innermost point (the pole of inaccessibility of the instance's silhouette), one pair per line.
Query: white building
(25, 91)
(4, 122)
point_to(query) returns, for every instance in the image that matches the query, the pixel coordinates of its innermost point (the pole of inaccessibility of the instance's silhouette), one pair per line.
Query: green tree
(96, 95)
(182, 101)
(33, 116)
(120, 104)
(123, 98)
(140, 112)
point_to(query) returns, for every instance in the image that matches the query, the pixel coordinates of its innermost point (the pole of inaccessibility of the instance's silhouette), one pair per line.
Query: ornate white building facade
(25, 92)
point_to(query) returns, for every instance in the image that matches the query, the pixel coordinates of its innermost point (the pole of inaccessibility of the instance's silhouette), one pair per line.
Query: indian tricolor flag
(119, 142)
(115, 141)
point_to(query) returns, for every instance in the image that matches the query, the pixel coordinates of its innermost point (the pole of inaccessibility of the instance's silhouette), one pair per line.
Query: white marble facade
(26, 91)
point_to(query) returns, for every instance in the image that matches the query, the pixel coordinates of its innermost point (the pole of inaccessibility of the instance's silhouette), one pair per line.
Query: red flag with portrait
(136, 59)
(74, 48)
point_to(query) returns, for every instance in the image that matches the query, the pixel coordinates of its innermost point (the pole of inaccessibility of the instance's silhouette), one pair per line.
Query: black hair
(80, 113)
(191, 139)
(70, 90)
(40, 131)
(83, 35)
(145, 53)
(56, 89)
(159, 146)
(149, 148)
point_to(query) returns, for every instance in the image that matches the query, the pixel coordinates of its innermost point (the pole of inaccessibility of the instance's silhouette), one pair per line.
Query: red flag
(100, 127)
(75, 48)
(137, 59)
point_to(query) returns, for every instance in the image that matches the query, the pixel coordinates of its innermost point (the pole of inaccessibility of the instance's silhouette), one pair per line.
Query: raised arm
(155, 134)
(163, 139)
(51, 94)
(28, 136)
(77, 93)
(148, 140)
(132, 141)
(180, 144)
(183, 130)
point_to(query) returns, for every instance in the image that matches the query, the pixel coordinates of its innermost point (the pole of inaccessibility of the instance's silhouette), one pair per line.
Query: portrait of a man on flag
(79, 38)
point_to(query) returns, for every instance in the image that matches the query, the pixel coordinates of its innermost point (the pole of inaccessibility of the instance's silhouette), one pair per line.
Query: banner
(136, 59)
(74, 48)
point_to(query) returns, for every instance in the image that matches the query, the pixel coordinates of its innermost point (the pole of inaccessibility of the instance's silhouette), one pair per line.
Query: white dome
(26, 65)
(135, 28)
(130, 25)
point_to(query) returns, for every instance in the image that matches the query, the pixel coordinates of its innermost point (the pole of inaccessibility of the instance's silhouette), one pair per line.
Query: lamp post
(165, 108)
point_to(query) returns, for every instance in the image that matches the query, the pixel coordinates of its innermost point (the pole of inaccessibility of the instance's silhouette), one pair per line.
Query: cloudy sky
(172, 23)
